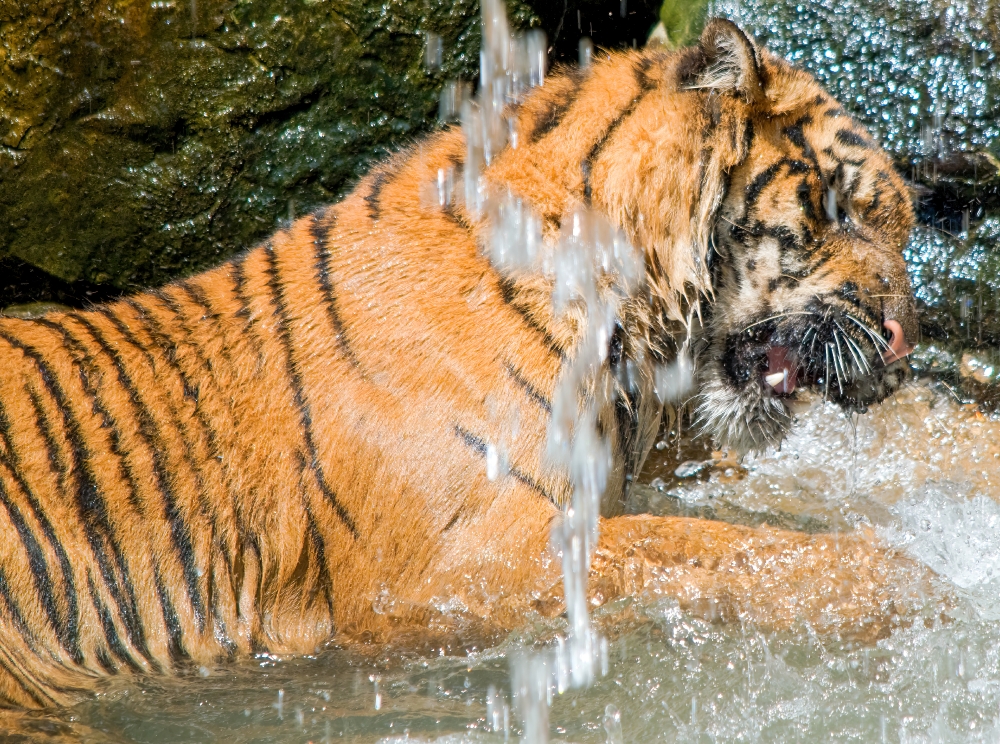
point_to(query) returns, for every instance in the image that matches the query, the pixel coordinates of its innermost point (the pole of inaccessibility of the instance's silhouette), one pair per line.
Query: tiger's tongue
(781, 370)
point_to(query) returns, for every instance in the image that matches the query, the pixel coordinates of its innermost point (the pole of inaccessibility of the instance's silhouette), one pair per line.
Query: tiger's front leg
(841, 585)
(835, 584)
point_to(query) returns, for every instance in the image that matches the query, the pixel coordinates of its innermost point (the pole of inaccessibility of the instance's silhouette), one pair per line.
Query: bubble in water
(957, 536)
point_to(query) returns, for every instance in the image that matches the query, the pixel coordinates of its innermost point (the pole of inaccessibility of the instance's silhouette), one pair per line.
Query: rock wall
(140, 140)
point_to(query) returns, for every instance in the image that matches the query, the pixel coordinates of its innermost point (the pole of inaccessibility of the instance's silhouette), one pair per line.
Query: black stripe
(748, 136)
(787, 240)
(246, 311)
(171, 620)
(14, 610)
(804, 193)
(171, 304)
(795, 133)
(196, 294)
(849, 292)
(104, 660)
(192, 390)
(92, 508)
(320, 229)
(68, 631)
(530, 390)
(150, 433)
(38, 565)
(173, 416)
(454, 520)
(480, 446)
(509, 293)
(320, 545)
(25, 631)
(298, 392)
(556, 109)
(852, 139)
(89, 502)
(758, 184)
(166, 346)
(471, 440)
(451, 212)
(645, 86)
(108, 626)
(375, 194)
(239, 275)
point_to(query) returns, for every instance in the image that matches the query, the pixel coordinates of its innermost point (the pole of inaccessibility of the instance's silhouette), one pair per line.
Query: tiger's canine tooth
(775, 379)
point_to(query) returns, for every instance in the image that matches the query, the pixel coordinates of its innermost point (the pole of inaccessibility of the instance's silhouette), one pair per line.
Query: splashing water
(589, 251)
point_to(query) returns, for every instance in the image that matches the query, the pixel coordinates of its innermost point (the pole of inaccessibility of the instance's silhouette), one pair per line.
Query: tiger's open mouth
(747, 384)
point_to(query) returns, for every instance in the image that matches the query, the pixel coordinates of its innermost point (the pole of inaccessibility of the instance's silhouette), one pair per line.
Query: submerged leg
(843, 584)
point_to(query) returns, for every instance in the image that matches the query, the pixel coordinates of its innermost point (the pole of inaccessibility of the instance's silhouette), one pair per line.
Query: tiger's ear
(726, 61)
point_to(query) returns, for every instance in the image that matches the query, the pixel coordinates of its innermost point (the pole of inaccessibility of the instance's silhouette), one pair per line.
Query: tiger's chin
(747, 419)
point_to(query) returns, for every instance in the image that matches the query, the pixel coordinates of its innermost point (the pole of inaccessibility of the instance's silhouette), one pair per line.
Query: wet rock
(142, 140)
(608, 23)
(682, 21)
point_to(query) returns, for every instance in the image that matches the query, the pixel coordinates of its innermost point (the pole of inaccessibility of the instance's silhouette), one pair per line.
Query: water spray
(592, 268)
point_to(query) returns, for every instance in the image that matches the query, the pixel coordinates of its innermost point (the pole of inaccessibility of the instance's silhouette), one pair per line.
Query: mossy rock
(143, 140)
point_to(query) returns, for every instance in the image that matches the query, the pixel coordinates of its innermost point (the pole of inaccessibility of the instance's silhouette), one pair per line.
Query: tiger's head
(808, 283)
(771, 225)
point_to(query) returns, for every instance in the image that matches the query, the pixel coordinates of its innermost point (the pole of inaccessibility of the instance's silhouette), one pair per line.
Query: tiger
(289, 450)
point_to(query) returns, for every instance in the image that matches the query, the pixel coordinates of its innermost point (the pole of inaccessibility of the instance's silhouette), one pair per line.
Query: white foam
(955, 535)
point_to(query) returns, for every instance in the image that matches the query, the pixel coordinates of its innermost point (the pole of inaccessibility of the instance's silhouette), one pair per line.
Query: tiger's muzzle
(840, 353)
(747, 378)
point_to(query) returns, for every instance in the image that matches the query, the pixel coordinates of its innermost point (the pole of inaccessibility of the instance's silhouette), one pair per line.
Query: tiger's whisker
(878, 340)
(779, 316)
(840, 356)
(863, 365)
(826, 376)
(836, 371)
(860, 364)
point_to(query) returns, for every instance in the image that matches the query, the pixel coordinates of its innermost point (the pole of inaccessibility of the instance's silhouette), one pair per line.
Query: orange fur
(290, 447)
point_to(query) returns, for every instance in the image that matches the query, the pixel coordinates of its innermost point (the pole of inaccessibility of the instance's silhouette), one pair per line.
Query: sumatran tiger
(290, 448)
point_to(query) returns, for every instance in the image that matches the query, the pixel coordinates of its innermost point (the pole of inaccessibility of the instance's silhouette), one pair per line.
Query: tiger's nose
(898, 346)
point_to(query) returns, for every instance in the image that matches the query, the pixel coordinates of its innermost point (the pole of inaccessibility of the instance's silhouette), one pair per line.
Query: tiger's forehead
(819, 147)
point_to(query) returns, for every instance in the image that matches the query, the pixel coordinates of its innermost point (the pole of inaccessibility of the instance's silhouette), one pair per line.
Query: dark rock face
(144, 140)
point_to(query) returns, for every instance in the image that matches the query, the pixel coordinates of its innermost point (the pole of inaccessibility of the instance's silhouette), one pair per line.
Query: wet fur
(290, 449)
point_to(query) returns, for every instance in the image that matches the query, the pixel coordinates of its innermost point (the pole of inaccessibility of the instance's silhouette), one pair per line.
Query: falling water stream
(921, 472)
